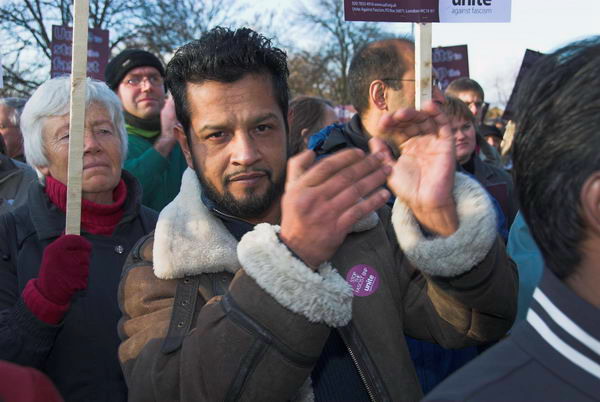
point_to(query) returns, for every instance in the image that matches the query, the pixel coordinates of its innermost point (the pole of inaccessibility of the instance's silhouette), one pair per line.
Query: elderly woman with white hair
(58, 293)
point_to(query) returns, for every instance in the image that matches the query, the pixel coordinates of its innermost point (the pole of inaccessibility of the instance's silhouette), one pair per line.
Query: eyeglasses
(434, 82)
(136, 81)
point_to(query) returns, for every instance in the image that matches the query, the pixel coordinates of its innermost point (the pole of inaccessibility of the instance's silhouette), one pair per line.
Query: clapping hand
(423, 174)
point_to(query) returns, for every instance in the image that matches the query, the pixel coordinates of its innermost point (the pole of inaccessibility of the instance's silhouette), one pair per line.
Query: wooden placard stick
(423, 64)
(77, 115)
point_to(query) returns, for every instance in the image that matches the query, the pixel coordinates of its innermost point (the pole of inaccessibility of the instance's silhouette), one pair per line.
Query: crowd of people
(237, 244)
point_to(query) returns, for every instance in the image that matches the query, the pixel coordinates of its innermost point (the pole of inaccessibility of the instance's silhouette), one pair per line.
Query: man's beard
(251, 205)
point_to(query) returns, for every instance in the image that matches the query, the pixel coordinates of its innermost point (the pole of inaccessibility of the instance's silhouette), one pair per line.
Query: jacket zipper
(361, 374)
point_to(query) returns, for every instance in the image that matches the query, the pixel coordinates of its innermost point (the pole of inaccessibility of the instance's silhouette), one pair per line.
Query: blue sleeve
(502, 223)
(316, 142)
(526, 254)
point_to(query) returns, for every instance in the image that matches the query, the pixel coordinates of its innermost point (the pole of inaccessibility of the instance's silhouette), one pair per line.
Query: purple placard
(530, 58)
(450, 63)
(392, 11)
(61, 48)
(363, 279)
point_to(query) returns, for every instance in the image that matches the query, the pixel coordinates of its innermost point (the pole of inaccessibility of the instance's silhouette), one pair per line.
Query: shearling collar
(190, 240)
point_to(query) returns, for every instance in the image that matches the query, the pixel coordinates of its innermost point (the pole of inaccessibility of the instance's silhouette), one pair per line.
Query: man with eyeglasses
(471, 93)
(154, 156)
(382, 80)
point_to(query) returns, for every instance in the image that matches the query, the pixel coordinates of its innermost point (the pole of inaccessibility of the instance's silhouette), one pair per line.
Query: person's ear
(377, 96)
(590, 203)
(183, 143)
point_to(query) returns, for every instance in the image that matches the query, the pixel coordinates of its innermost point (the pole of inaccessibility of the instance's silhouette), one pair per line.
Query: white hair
(52, 99)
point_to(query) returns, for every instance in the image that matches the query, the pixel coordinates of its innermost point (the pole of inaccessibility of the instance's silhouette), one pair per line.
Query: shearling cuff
(460, 252)
(320, 297)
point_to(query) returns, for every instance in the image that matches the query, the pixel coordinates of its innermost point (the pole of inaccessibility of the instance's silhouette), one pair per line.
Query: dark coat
(500, 185)
(15, 178)
(432, 362)
(240, 342)
(550, 356)
(80, 354)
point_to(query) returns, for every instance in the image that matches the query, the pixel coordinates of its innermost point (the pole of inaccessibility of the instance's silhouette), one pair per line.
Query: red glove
(64, 271)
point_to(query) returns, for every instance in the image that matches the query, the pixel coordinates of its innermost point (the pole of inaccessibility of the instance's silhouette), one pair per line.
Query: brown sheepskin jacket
(250, 320)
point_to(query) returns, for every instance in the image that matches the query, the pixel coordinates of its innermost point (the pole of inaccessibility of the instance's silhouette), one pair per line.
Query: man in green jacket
(154, 157)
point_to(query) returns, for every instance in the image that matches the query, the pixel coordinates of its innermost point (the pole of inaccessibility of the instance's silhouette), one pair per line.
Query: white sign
(426, 11)
(475, 10)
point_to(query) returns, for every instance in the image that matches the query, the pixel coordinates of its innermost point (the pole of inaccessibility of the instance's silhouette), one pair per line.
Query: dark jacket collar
(553, 296)
(7, 167)
(236, 226)
(356, 135)
(562, 332)
(49, 221)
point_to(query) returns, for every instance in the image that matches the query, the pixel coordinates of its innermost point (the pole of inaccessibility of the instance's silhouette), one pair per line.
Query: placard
(450, 63)
(61, 48)
(428, 10)
(530, 58)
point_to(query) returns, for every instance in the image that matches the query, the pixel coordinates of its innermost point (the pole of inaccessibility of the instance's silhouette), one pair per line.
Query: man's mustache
(228, 178)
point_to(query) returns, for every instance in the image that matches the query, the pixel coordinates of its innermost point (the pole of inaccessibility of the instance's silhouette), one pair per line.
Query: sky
(497, 49)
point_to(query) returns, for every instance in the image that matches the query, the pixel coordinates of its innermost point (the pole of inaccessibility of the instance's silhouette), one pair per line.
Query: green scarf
(147, 128)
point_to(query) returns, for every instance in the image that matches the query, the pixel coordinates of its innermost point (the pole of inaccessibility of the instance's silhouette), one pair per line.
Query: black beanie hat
(126, 61)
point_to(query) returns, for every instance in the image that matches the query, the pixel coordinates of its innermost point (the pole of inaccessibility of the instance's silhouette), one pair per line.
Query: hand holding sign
(423, 175)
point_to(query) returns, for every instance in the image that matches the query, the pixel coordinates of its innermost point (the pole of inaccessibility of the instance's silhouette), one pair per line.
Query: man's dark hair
(464, 84)
(379, 60)
(224, 55)
(556, 149)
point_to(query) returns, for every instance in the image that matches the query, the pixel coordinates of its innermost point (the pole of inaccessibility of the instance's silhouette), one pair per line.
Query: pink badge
(363, 279)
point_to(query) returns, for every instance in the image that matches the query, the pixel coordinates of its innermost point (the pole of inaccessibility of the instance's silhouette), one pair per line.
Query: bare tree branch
(341, 39)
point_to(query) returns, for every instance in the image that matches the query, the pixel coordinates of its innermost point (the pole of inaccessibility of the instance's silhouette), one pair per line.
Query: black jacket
(499, 184)
(432, 362)
(550, 356)
(15, 178)
(79, 354)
